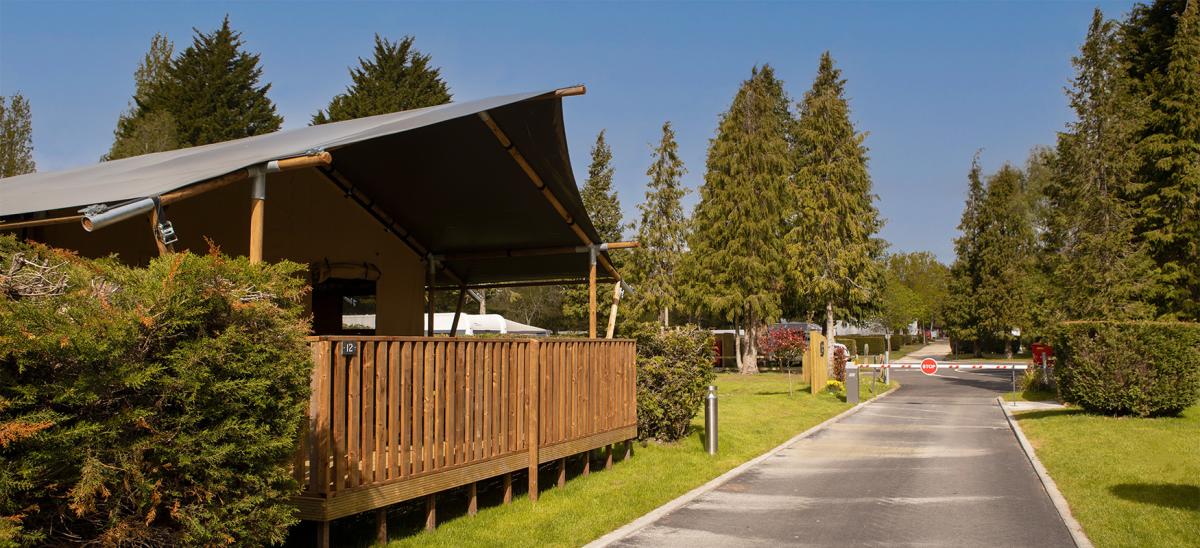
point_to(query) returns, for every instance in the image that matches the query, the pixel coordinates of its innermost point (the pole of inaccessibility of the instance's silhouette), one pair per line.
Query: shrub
(837, 388)
(1129, 368)
(839, 364)
(674, 370)
(785, 346)
(148, 406)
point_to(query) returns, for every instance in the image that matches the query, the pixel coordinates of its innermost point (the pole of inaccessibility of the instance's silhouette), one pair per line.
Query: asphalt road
(933, 464)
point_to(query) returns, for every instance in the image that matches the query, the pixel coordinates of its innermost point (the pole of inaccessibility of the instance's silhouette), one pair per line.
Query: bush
(148, 406)
(837, 388)
(839, 364)
(674, 369)
(1129, 368)
(783, 346)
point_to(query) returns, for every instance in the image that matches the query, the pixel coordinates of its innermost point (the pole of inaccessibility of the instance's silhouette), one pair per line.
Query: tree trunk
(750, 360)
(976, 349)
(737, 344)
(829, 338)
(1008, 349)
(666, 317)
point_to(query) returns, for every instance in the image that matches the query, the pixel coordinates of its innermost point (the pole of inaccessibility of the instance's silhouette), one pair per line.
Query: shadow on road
(1167, 495)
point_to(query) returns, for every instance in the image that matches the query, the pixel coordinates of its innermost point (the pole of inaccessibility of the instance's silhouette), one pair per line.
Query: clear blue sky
(930, 81)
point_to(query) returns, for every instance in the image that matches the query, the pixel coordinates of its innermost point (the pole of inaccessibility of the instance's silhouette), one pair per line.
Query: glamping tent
(453, 197)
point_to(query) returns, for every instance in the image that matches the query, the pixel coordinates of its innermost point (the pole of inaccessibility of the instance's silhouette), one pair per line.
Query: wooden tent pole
(258, 200)
(431, 272)
(592, 293)
(612, 312)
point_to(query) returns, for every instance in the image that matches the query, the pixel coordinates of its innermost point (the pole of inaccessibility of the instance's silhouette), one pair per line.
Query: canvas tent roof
(439, 172)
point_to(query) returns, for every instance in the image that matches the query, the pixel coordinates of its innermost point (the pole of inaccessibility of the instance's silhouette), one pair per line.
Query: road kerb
(1060, 503)
(654, 515)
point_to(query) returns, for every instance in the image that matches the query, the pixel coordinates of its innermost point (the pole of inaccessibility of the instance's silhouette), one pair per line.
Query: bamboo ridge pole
(612, 313)
(592, 294)
(258, 202)
(40, 222)
(532, 252)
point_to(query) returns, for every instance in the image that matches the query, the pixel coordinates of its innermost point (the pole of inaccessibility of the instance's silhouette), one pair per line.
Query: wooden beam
(431, 512)
(472, 499)
(530, 252)
(541, 186)
(462, 299)
(258, 203)
(430, 274)
(592, 295)
(507, 488)
(570, 91)
(534, 396)
(40, 222)
(381, 534)
(499, 285)
(322, 158)
(562, 472)
(612, 312)
(322, 534)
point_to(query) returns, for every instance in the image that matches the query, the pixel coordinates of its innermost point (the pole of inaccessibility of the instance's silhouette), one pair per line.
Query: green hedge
(148, 406)
(1128, 368)
(674, 369)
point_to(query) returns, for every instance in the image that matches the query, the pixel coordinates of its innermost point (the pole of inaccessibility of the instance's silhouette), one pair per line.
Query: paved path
(933, 464)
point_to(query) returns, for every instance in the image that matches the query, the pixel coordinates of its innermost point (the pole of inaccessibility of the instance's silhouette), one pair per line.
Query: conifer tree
(1005, 248)
(16, 136)
(833, 246)
(736, 263)
(962, 310)
(604, 208)
(140, 131)
(662, 232)
(398, 77)
(1098, 269)
(1169, 191)
(213, 91)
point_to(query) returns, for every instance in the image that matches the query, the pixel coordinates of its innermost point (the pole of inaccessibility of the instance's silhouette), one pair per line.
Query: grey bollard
(710, 420)
(851, 383)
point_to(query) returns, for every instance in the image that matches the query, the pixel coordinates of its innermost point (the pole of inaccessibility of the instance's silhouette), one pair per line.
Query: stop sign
(929, 366)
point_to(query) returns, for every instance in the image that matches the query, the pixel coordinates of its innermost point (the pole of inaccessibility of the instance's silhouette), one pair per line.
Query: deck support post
(462, 299)
(381, 535)
(587, 462)
(431, 512)
(608, 457)
(591, 292)
(628, 449)
(258, 200)
(534, 403)
(562, 472)
(322, 534)
(472, 499)
(508, 488)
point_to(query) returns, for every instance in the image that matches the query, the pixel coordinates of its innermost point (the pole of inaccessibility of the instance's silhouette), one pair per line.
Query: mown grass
(756, 412)
(1031, 395)
(906, 350)
(1129, 481)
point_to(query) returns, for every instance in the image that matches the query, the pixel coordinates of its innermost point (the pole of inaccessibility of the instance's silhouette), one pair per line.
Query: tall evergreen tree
(1098, 269)
(140, 131)
(1169, 191)
(398, 77)
(213, 92)
(604, 208)
(963, 315)
(16, 136)
(662, 232)
(1005, 248)
(833, 246)
(736, 263)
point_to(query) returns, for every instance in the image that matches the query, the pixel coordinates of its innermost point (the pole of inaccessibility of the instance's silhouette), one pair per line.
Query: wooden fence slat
(367, 418)
(451, 387)
(394, 402)
(469, 401)
(353, 419)
(427, 425)
(439, 402)
(406, 407)
(340, 391)
(418, 406)
(319, 465)
(381, 408)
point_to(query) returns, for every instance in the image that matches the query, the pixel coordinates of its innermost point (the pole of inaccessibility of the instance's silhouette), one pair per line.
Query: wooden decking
(398, 418)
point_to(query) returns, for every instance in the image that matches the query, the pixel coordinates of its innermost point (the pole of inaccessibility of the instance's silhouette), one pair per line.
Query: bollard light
(710, 420)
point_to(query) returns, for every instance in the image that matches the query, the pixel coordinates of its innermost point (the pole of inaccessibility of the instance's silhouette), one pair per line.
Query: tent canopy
(440, 173)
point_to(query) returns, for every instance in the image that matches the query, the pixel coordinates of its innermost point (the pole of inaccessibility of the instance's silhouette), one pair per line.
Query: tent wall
(307, 221)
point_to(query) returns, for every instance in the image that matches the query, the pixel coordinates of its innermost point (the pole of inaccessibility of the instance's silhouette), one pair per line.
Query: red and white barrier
(943, 366)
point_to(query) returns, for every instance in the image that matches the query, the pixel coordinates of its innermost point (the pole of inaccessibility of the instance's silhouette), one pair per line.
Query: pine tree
(1005, 248)
(213, 93)
(140, 131)
(833, 246)
(1098, 269)
(963, 315)
(16, 136)
(662, 232)
(736, 263)
(399, 77)
(604, 208)
(1169, 191)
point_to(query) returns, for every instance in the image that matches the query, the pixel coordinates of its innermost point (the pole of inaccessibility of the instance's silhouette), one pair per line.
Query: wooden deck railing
(396, 418)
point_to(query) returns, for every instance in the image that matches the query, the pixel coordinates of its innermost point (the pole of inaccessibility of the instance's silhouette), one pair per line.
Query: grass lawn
(756, 414)
(906, 350)
(1129, 481)
(1031, 395)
